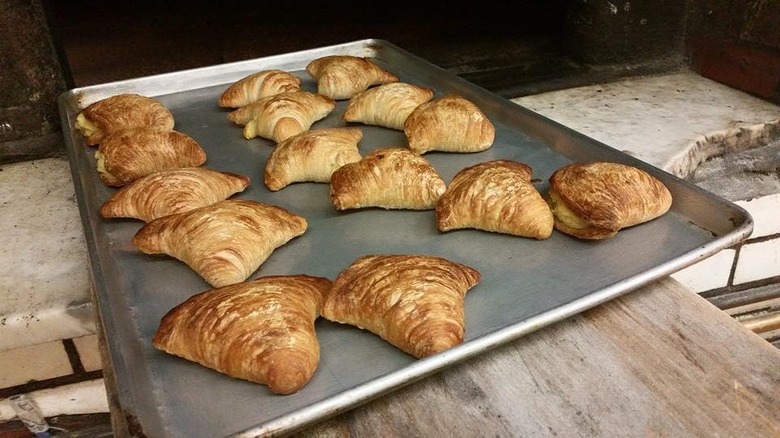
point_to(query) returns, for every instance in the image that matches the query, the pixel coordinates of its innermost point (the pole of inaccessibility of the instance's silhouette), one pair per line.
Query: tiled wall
(62, 377)
(752, 263)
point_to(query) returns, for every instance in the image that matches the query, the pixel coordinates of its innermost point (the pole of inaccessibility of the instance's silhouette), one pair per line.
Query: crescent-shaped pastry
(386, 105)
(172, 191)
(258, 85)
(595, 200)
(342, 76)
(414, 302)
(449, 124)
(283, 115)
(119, 112)
(390, 178)
(125, 156)
(495, 196)
(260, 330)
(311, 156)
(223, 242)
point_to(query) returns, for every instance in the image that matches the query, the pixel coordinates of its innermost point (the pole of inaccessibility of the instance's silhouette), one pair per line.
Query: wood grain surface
(658, 362)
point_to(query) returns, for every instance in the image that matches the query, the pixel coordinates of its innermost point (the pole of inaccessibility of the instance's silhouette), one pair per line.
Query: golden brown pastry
(495, 196)
(390, 178)
(386, 105)
(172, 191)
(415, 302)
(595, 200)
(260, 330)
(223, 242)
(450, 124)
(283, 115)
(122, 111)
(342, 76)
(125, 156)
(258, 85)
(311, 156)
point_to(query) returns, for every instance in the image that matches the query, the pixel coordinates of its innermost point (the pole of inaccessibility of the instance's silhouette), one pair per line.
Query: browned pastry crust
(595, 200)
(342, 76)
(283, 115)
(260, 330)
(223, 242)
(311, 156)
(124, 156)
(119, 112)
(449, 124)
(386, 105)
(495, 196)
(258, 85)
(390, 178)
(415, 302)
(172, 191)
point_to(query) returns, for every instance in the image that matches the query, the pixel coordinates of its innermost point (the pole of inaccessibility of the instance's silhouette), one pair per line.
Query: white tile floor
(758, 261)
(80, 398)
(766, 214)
(34, 362)
(87, 347)
(711, 273)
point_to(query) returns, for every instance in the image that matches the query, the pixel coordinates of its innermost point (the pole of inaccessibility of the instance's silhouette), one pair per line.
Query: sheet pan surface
(526, 284)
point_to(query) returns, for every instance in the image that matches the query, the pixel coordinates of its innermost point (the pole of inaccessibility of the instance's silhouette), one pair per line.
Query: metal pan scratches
(526, 284)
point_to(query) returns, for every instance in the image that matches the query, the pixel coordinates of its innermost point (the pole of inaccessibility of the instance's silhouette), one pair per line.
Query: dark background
(511, 48)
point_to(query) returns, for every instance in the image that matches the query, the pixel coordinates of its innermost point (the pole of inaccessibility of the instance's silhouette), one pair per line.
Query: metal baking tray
(526, 284)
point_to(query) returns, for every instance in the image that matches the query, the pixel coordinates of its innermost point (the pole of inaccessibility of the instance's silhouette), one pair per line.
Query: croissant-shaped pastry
(390, 178)
(223, 242)
(414, 302)
(119, 112)
(260, 330)
(495, 196)
(172, 191)
(386, 105)
(283, 115)
(311, 156)
(258, 85)
(595, 200)
(125, 156)
(342, 76)
(449, 124)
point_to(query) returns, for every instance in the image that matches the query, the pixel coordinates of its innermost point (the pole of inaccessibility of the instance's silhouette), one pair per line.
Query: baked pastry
(450, 124)
(223, 242)
(342, 76)
(414, 302)
(124, 156)
(260, 330)
(495, 196)
(311, 156)
(172, 191)
(283, 115)
(390, 178)
(258, 85)
(386, 105)
(122, 111)
(595, 200)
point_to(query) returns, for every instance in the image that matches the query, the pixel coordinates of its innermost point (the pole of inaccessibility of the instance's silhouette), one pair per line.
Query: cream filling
(565, 215)
(86, 127)
(101, 162)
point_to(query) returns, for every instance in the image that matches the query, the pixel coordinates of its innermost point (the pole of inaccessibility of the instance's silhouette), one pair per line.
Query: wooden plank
(661, 361)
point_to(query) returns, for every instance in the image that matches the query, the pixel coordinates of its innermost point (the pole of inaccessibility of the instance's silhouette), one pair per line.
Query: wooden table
(657, 362)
